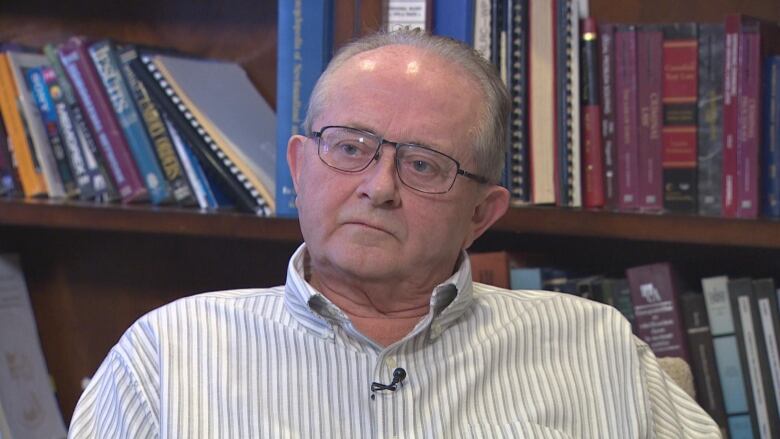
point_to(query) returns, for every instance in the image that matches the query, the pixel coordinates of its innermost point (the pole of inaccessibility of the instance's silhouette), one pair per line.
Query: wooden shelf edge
(145, 219)
(686, 229)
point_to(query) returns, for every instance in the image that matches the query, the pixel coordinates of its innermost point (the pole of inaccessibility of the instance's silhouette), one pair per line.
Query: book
(607, 66)
(415, 14)
(770, 144)
(626, 118)
(650, 68)
(196, 177)
(233, 113)
(708, 391)
(655, 294)
(616, 292)
(103, 126)
(593, 148)
(542, 116)
(301, 58)
(680, 96)
(493, 268)
(769, 314)
(20, 63)
(26, 395)
(750, 342)
(710, 119)
(173, 170)
(568, 182)
(537, 278)
(9, 180)
(102, 186)
(108, 68)
(730, 370)
(516, 173)
(219, 167)
(48, 115)
(454, 19)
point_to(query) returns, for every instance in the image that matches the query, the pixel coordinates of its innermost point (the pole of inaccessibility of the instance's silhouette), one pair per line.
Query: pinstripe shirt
(285, 362)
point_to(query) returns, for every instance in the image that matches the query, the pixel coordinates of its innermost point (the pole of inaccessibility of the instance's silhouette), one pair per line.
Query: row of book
(679, 117)
(108, 122)
(727, 331)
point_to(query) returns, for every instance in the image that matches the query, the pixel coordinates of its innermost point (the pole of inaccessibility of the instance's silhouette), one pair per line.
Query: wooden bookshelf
(93, 269)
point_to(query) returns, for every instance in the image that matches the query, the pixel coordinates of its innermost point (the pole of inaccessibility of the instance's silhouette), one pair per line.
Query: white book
(26, 394)
(482, 28)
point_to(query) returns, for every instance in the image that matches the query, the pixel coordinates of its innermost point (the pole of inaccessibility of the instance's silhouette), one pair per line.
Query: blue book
(305, 47)
(727, 359)
(770, 154)
(537, 278)
(454, 19)
(107, 65)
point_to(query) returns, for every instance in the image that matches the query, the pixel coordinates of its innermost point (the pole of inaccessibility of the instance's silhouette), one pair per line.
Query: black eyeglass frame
(382, 141)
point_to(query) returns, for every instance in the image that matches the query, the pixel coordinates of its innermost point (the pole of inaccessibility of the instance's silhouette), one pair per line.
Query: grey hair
(490, 132)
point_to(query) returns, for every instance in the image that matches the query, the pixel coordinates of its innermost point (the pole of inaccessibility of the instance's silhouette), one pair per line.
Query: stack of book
(106, 122)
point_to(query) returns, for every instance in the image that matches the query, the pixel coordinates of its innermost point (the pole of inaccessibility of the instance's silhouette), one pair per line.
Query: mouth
(367, 226)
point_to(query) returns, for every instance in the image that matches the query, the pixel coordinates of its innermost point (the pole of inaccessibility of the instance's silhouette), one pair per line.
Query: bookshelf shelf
(174, 221)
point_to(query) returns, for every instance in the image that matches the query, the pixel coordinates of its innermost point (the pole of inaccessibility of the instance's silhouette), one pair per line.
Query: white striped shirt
(285, 362)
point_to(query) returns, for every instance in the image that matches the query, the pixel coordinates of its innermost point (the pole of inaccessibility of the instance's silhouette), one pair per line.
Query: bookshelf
(92, 270)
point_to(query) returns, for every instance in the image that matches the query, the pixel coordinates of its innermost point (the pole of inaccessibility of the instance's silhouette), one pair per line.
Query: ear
(295, 158)
(495, 202)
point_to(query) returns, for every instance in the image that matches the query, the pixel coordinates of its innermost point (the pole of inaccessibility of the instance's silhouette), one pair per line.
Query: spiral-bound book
(516, 170)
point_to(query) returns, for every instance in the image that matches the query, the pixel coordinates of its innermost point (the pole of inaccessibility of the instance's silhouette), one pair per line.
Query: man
(379, 330)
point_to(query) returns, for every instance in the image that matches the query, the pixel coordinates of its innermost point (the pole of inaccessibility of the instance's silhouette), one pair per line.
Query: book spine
(708, 390)
(30, 173)
(454, 19)
(740, 291)
(650, 82)
(769, 314)
(172, 167)
(67, 134)
(710, 118)
(593, 154)
(567, 40)
(748, 104)
(102, 186)
(680, 89)
(9, 180)
(103, 126)
(730, 117)
(107, 66)
(48, 115)
(607, 65)
(194, 172)
(626, 133)
(35, 131)
(655, 294)
(301, 58)
(771, 142)
(517, 81)
(482, 28)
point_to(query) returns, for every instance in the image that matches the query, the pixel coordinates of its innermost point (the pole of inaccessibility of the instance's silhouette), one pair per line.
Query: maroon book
(626, 132)
(756, 39)
(593, 149)
(680, 116)
(100, 117)
(655, 293)
(607, 51)
(730, 78)
(649, 77)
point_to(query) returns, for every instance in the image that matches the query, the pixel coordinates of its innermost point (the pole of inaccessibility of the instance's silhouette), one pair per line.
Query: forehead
(406, 94)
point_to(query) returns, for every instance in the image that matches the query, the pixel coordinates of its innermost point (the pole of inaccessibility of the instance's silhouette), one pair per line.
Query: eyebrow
(405, 142)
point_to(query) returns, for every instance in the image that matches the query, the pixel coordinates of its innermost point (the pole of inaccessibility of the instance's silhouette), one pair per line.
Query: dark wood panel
(656, 11)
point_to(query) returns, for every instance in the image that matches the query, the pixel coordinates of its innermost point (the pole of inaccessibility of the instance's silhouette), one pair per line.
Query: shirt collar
(449, 300)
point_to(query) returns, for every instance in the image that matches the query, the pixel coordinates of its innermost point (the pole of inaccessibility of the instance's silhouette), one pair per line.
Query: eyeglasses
(419, 167)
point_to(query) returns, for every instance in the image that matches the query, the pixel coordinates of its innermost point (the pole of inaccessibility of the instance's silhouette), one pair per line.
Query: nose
(380, 183)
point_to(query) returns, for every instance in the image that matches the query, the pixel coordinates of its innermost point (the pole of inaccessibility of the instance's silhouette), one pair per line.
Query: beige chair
(680, 372)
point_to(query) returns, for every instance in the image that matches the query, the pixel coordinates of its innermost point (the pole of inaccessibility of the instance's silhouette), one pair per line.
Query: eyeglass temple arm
(474, 177)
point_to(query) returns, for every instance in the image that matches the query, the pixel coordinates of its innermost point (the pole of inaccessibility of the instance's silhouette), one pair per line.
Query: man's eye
(422, 166)
(349, 149)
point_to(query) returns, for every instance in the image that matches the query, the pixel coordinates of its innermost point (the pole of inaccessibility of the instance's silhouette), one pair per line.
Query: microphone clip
(399, 374)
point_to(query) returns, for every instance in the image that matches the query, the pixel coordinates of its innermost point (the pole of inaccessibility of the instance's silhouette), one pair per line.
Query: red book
(101, 120)
(593, 149)
(730, 78)
(655, 293)
(649, 77)
(626, 132)
(680, 116)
